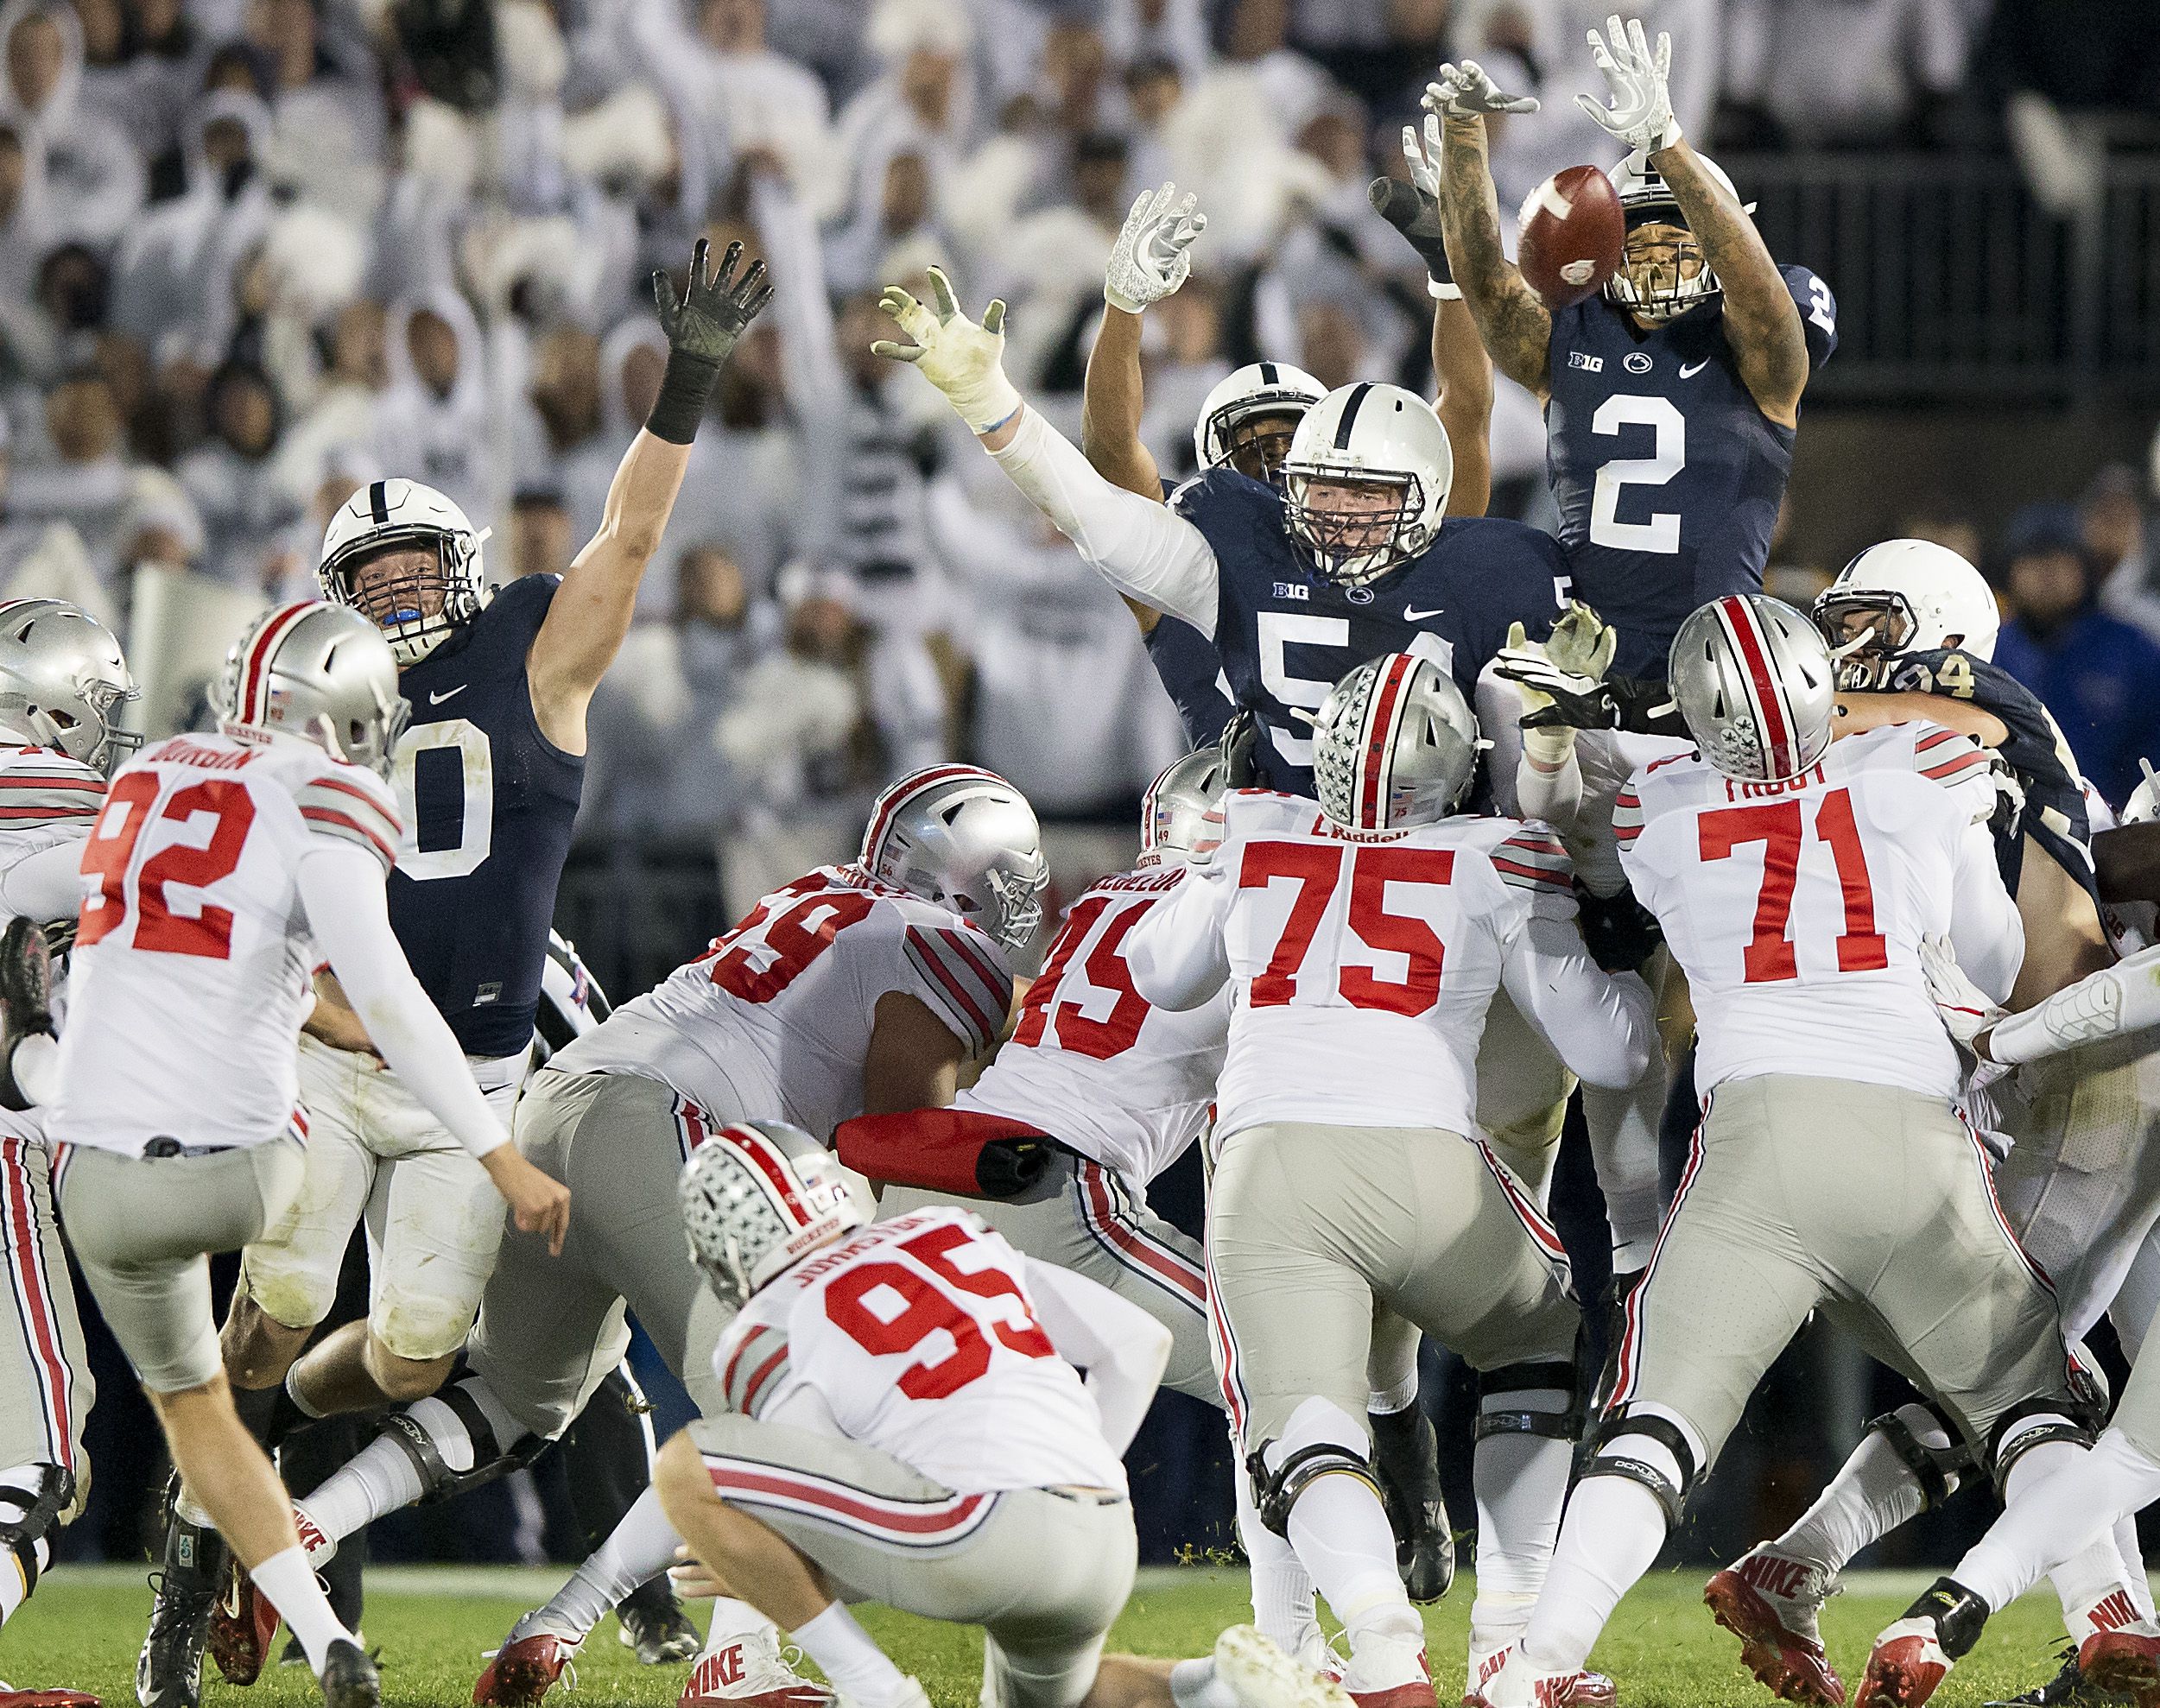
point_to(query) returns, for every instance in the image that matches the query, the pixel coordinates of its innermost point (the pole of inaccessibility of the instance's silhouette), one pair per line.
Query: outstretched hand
(710, 316)
(1640, 113)
(963, 359)
(1414, 208)
(1153, 255)
(1467, 91)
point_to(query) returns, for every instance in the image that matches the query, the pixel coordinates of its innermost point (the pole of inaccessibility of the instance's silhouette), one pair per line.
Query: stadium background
(255, 252)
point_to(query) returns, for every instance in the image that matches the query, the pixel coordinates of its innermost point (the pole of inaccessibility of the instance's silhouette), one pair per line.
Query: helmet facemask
(1868, 631)
(96, 741)
(1663, 272)
(1253, 436)
(418, 605)
(1355, 526)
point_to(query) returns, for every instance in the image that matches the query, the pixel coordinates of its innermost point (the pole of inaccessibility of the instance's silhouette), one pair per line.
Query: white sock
(1611, 1537)
(856, 1667)
(378, 1479)
(37, 1066)
(2095, 1570)
(14, 1592)
(189, 1511)
(2133, 1558)
(1873, 1493)
(2084, 1493)
(1281, 1588)
(641, 1546)
(1340, 1531)
(1522, 1483)
(1194, 1683)
(289, 1582)
(732, 1621)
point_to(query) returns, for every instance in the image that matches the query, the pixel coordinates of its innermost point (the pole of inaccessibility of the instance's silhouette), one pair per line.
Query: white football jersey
(772, 1022)
(1361, 964)
(1092, 1062)
(917, 1337)
(46, 798)
(190, 971)
(1797, 909)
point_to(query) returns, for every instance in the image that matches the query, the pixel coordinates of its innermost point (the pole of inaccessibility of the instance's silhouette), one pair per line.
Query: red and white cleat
(1769, 1601)
(2124, 1658)
(526, 1666)
(321, 1549)
(12, 1698)
(1514, 1683)
(241, 1625)
(1906, 1667)
(1389, 1672)
(753, 1670)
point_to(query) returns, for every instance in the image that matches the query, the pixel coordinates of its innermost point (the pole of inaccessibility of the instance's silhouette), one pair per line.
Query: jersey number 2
(1769, 956)
(110, 849)
(1661, 533)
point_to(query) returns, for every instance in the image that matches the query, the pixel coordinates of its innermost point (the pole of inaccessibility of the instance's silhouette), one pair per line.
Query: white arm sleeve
(1603, 1025)
(2125, 998)
(348, 911)
(1985, 928)
(1175, 955)
(1121, 1347)
(1143, 548)
(46, 885)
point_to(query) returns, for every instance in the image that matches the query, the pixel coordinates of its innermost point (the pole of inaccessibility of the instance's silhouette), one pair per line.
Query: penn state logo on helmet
(1904, 596)
(757, 1196)
(314, 673)
(1753, 680)
(406, 557)
(63, 681)
(1365, 484)
(1395, 745)
(966, 839)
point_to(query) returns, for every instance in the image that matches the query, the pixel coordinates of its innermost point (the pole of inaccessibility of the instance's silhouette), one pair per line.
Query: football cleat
(1406, 1454)
(2125, 1660)
(1389, 1672)
(1914, 1654)
(531, 1659)
(1258, 1672)
(319, 1549)
(1769, 1600)
(755, 1669)
(1514, 1683)
(12, 1698)
(651, 1621)
(349, 1679)
(242, 1626)
(2068, 1688)
(168, 1670)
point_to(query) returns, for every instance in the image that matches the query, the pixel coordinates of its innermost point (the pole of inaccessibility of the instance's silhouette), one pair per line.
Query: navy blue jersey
(1668, 475)
(488, 802)
(1192, 674)
(1287, 634)
(2054, 815)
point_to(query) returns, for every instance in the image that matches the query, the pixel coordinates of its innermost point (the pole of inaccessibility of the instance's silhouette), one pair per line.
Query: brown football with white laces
(1570, 232)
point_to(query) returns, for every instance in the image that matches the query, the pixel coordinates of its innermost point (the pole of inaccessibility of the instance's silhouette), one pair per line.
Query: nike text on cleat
(1258, 1672)
(753, 1670)
(349, 1679)
(241, 1628)
(2125, 1660)
(1514, 1683)
(1768, 1600)
(523, 1669)
(319, 1549)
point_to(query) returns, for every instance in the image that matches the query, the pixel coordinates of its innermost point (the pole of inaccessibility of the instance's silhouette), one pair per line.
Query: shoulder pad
(352, 805)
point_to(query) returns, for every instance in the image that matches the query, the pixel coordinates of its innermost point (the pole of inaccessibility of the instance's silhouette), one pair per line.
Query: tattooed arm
(1514, 324)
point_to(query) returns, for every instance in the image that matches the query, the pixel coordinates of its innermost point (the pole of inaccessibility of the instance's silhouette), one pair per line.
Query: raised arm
(592, 609)
(1761, 321)
(1150, 260)
(1514, 324)
(1145, 550)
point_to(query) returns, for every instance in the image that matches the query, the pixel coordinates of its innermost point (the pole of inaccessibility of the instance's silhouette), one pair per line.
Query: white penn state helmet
(314, 673)
(63, 680)
(966, 839)
(1915, 597)
(1395, 745)
(387, 514)
(1372, 435)
(1644, 195)
(757, 1197)
(1257, 388)
(2144, 804)
(1752, 679)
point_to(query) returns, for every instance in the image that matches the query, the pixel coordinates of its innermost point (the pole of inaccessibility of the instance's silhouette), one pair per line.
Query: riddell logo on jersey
(1292, 590)
(1582, 359)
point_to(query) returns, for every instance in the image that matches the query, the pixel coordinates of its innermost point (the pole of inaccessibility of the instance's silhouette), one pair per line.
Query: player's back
(772, 1022)
(489, 803)
(190, 974)
(1797, 909)
(1288, 634)
(1094, 1063)
(46, 798)
(1362, 964)
(917, 1336)
(1667, 474)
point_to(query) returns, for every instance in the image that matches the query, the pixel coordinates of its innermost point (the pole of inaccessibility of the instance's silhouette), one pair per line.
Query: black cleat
(2068, 1688)
(168, 1671)
(349, 1678)
(1406, 1454)
(653, 1622)
(26, 1000)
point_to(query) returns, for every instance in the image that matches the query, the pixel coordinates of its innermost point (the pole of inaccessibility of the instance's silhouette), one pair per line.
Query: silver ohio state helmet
(757, 1196)
(418, 611)
(318, 673)
(1256, 390)
(62, 681)
(1395, 745)
(1180, 813)
(1753, 679)
(1386, 444)
(966, 839)
(1904, 596)
(1665, 291)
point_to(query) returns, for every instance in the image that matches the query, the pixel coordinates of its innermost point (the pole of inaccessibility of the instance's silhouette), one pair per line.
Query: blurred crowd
(255, 252)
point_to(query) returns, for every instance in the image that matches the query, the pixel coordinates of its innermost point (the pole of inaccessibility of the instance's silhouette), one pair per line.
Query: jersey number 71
(1777, 826)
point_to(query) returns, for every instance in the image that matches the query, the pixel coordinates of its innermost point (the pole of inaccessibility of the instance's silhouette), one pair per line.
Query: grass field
(431, 1627)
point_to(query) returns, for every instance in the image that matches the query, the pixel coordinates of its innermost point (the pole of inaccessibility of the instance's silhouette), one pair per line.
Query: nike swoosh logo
(437, 700)
(1412, 614)
(1692, 367)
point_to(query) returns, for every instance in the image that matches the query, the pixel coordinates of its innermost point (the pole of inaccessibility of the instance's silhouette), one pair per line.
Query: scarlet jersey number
(1777, 825)
(110, 849)
(1318, 870)
(769, 950)
(1051, 1006)
(926, 1307)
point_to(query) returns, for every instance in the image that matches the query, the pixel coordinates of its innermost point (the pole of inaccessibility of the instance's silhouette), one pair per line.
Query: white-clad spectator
(922, 100)
(88, 477)
(92, 171)
(433, 421)
(1175, 31)
(139, 61)
(339, 428)
(243, 510)
(29, 228)
(559, 437)
(1843, 74)
(902, 214)
(159, 526)
(330, 119)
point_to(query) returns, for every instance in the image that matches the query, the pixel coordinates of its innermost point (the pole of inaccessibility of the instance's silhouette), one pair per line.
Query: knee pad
(1314, 1442)
(1551, 1375)
(30, 1506)
(1607, 1461)
(491, 1459)
(1940, 1471)
(2032, 1423)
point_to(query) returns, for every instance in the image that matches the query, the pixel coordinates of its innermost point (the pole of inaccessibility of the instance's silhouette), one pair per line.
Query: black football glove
(1619, 931)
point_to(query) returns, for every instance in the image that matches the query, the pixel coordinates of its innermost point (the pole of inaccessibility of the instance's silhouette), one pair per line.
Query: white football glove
(1153, 255)
(1966, 1010)
(1547, 743)
(1642, 110)
(1467, 91)
(963, 360)
(1582, 642)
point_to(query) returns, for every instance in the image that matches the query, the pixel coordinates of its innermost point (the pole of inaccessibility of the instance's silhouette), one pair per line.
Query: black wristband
(1646, 707)
(684, 391)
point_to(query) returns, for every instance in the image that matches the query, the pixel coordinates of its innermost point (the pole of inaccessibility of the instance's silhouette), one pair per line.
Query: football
(1571, 230)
